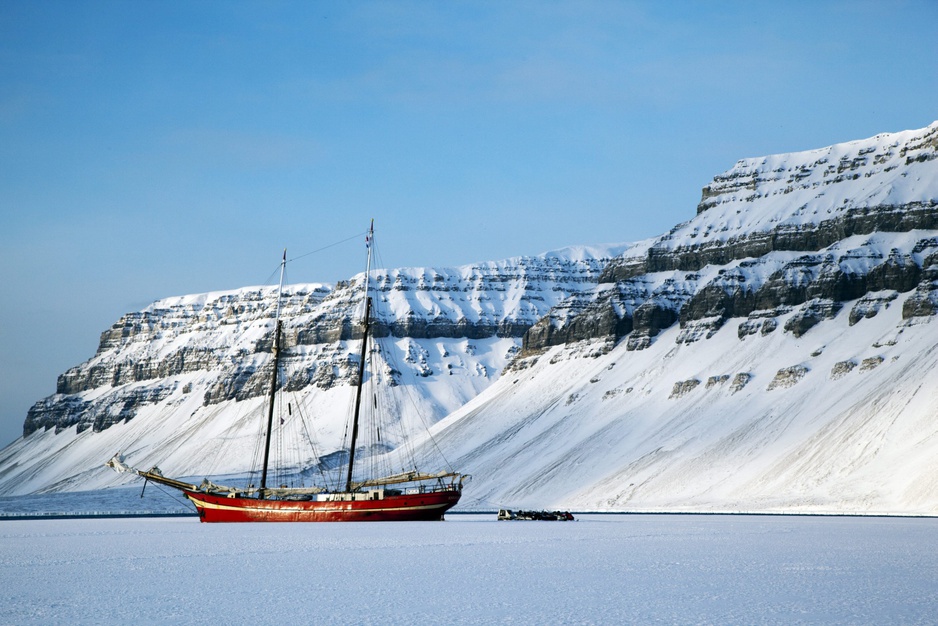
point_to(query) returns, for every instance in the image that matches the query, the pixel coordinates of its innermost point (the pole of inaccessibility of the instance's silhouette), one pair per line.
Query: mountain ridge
(729, 364)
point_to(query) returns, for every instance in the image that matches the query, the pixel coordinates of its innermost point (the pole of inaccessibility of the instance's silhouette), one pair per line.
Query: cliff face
(794, 230)
(218, 345)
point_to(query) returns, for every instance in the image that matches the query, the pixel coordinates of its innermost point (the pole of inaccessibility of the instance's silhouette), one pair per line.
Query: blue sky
(163, 148)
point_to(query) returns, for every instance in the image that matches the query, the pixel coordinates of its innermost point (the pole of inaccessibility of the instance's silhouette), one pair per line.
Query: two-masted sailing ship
(404, 496)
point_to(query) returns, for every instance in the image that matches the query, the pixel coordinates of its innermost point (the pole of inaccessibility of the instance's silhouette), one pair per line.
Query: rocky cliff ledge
(810, 230)
(218, 344)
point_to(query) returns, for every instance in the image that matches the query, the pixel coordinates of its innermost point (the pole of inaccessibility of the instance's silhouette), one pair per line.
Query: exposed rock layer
(224, 340)
(810, 230)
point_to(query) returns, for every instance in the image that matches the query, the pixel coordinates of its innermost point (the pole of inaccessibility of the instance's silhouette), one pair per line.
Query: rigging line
(228, 434)
(388, 351)
(472, 501)
(331, 245)
(254, 473)
(282, 470)
(171, 494)
(277, 425)
(128, 440)
(410, 394)
(291, 439)
(212, 460)
(436, 446)
(309, 438)
(405, 449)
(383, 410)
(347, 436)
(269, 281)
(373, 416)
(293, 425)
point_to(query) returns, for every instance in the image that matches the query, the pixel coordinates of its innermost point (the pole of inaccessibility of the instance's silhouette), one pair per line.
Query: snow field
(601, 569)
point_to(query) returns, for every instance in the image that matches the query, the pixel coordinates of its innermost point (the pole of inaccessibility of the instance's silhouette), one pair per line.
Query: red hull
(397, 508)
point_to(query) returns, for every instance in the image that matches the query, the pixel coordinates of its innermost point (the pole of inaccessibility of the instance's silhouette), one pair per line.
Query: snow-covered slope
(841, 419)
(776, 352)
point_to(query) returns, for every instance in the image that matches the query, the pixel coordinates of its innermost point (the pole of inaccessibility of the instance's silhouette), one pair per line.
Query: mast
(366, 324)
(273, 382)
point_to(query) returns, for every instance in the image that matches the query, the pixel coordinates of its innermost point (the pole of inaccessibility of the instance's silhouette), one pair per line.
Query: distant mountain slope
(776, 352)
(843, 418)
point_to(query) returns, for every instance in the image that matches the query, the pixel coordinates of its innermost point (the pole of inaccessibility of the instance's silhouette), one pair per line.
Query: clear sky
(150, 149)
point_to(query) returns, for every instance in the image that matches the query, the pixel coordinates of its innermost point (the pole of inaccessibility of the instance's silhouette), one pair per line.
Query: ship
(410, 495)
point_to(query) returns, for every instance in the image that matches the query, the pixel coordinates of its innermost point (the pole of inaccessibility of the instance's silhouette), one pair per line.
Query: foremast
(262, 492)
(366, 325)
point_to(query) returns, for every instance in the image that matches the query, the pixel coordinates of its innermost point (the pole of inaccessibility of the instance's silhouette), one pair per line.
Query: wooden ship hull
(404, 507)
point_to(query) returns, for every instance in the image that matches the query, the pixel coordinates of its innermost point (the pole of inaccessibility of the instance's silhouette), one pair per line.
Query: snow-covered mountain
(776, 352)
(178, 381)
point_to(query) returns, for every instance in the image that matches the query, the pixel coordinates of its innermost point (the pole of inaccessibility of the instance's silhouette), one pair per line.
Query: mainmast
(273, 382)
(366, 324)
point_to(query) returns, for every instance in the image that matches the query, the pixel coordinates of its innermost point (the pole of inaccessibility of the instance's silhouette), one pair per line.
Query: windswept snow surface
(601, 569)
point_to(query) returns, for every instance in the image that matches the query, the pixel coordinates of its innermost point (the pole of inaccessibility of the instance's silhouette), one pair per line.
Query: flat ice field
(470, 569)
